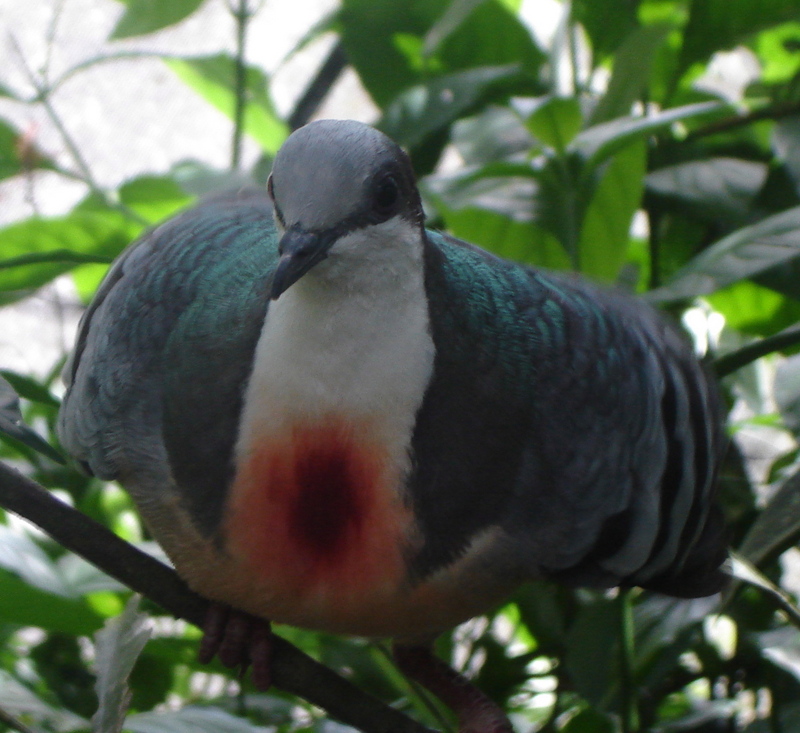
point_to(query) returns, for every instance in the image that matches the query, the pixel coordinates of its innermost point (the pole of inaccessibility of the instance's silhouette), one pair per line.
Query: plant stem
(627, 689)
(242, 15)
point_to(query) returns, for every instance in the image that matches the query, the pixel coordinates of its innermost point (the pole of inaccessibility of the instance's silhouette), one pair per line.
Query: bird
(332, 417)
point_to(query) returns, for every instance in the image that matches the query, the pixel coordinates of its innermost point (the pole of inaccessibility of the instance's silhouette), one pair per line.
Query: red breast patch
(317, 512)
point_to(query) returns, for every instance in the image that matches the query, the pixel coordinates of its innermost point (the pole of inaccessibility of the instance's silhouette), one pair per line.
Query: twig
(725, 365)
(774, 112)
(629, 709)
(242, 15)
(14, 724)
(292, 670)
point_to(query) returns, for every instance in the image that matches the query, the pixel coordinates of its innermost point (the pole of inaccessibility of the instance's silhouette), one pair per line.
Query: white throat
(350, 338)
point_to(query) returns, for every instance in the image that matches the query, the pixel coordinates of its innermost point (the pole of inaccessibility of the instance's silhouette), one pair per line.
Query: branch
(292, 670)
(319, 87)
(772, 112)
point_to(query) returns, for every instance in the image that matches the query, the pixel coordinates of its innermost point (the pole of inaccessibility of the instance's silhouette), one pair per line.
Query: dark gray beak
(300, 251)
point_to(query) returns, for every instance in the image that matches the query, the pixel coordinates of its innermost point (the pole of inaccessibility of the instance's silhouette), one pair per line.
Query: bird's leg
(239, 640)
(476, 713)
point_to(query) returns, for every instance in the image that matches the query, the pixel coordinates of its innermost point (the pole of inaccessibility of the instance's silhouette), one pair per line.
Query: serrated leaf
(118, 646)
(742, 254)
(146, 16)
(422, 110)
(214, 79)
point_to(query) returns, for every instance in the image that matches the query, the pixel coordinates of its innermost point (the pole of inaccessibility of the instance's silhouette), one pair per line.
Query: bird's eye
(386, 195)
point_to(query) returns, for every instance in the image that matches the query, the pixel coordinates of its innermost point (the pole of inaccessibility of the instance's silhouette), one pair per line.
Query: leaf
(118, 646)
(23, 557)
(494, 134)
(786, 144)
(214, 79)
(19, 701)
(145, 16)
(454, 15)
(422, 110)
(777, 527)
(743, 570)
(715, 25)
(607, 221)
(384, 42)
(607, 22)
(11, 424)
(744, 253)
(715, 188)
(28, 388)
(599, 142)
(754, 309)
(38, 250)
(633, 63)
(192, 719)
(154, 197)
(555, 121)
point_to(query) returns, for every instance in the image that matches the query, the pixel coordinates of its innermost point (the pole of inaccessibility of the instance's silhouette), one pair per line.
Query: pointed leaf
(777, 526)
(744, 253)
(154, 197)
(555, 121)
(715, 188)
(214, 79)
(607, 222)
(22, 556)
(118, 646)
(633, 63)
(37, 250)
(599, 142)
(146, 16)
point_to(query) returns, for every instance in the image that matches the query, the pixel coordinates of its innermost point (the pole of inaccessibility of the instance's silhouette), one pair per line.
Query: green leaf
(146, 16)
(555, 121)
(494, 134)
(38, 250)
(744, 253)
(29, 389)
(715, 188)
(118, 646)
(607, 222)
(214, 79)
(154, 197)
(376, 35)
(599, 142)
(754, 309)
(423, 110)
(633, 64)
(716, 25)
(454, 15)
(607, 22)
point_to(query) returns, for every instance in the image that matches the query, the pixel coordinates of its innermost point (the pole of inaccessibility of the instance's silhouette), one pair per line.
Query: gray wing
(172, 329)
(576, 420)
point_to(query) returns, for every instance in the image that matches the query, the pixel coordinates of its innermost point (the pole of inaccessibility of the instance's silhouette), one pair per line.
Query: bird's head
(339, 184)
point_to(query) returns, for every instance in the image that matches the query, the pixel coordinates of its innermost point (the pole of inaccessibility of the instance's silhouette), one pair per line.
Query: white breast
(350, 338)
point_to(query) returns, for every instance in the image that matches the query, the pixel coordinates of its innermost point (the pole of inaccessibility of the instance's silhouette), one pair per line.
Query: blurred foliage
(606, 150)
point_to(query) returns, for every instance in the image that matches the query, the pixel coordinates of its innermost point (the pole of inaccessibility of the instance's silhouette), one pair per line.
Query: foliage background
(620, 146)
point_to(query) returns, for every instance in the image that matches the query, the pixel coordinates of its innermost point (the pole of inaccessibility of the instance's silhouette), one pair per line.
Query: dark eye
(386, 195)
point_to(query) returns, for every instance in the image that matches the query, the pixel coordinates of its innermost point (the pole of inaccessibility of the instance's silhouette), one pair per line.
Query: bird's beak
(300, 251)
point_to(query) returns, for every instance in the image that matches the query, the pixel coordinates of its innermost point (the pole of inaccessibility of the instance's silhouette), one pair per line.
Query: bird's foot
(476, 713)
(239, 640)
